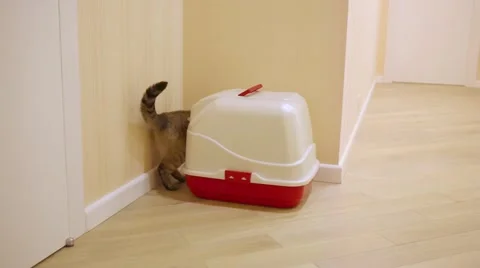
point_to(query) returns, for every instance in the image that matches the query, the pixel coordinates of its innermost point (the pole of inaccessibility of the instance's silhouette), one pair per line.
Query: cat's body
(170, 134)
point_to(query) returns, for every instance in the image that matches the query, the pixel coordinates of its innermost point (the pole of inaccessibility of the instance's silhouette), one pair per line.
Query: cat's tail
(147, 106)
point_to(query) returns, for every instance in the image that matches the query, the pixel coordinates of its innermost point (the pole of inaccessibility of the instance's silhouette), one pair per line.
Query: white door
(428, 41)
(33, 194)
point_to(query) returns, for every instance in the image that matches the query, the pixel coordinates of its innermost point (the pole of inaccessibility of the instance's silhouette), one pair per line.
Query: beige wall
(124, 46)
(360, 62)
(382, 38)
(285, 45)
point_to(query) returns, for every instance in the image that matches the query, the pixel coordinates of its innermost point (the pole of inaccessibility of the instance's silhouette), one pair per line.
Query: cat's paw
(181, 179)
(178, 176)
(171, 186)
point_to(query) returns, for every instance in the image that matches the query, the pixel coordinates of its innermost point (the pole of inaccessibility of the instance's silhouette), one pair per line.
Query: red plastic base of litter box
(248, 193)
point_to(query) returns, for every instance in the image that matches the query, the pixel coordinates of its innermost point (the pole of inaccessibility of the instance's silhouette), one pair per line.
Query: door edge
(72, 116)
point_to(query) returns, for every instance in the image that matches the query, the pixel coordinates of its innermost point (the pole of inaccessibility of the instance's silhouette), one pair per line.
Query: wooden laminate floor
(410, 198)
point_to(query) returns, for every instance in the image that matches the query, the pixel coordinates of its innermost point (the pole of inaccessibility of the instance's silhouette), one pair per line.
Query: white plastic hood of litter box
(266, 133)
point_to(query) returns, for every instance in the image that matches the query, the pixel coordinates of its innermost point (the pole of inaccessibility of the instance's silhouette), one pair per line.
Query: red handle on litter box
(251, 90)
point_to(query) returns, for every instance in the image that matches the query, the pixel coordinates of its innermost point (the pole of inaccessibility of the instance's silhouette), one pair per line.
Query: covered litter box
(252, 147)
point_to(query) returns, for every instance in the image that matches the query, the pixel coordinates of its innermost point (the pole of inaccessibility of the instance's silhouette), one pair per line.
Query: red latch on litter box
(238, 176)
(251, 90)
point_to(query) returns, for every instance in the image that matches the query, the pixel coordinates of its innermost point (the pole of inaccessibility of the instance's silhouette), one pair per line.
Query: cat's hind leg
(178, 176)
(165, 174)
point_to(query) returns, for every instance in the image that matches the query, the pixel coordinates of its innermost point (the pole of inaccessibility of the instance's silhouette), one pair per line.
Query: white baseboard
(363, 110)
(111, 203)
(329, 173)
(334, 173)
(476, 84)
(380, 79)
